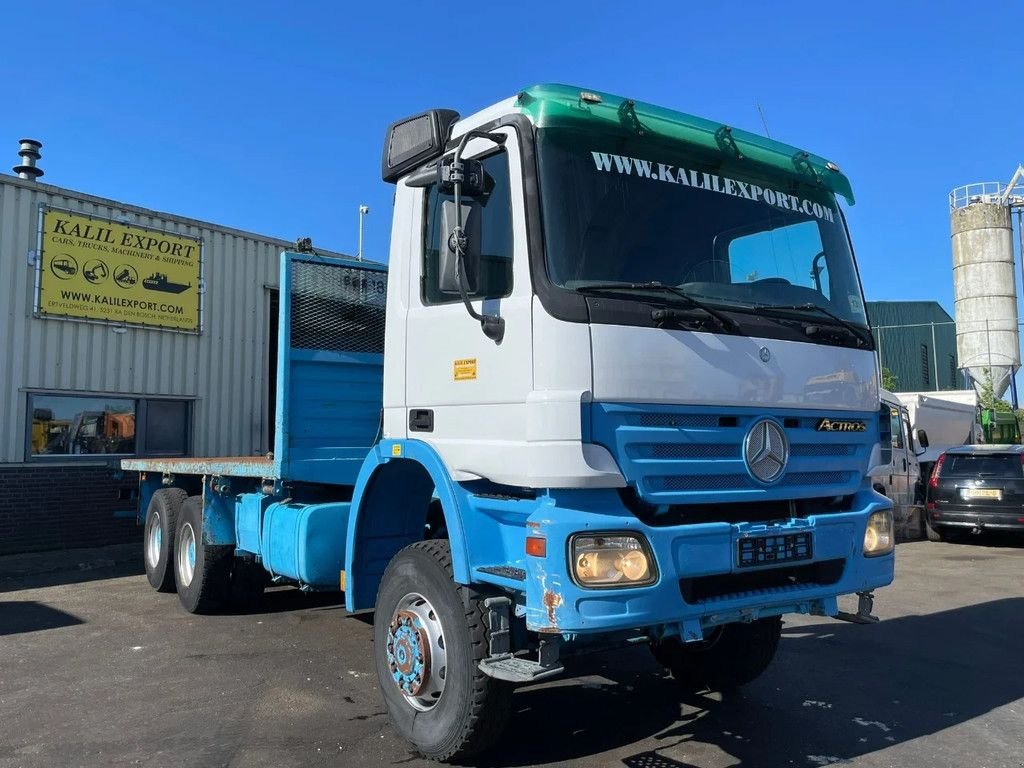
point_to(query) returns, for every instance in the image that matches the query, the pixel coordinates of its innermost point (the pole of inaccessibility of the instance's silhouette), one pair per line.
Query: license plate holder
(981, 493)
(774, 549)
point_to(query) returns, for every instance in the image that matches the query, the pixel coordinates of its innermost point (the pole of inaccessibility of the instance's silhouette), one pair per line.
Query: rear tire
(932, 533)
(429, 638)
(735, 655)
(158, 537)
(202, 571)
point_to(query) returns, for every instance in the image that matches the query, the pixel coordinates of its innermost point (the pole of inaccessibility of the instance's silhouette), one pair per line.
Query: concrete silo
(984, 287)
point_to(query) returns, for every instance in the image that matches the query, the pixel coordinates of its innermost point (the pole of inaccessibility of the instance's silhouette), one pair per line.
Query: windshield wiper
(662, 315)
(862, 336)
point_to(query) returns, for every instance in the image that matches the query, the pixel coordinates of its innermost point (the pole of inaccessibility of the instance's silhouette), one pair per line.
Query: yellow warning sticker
(465, 369)
(396, 449)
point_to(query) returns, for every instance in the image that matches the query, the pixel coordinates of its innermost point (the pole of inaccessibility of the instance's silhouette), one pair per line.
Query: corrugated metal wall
(903, 334)
(224, 368)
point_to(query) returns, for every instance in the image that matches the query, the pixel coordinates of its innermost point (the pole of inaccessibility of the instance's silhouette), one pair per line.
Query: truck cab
(898, 474)
(626, 393)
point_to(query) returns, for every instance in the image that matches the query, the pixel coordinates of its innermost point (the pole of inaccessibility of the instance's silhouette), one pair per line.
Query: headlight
(879, 538)
(600, 560)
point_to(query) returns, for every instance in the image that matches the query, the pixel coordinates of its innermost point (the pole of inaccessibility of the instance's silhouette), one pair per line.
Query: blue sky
(272, 120)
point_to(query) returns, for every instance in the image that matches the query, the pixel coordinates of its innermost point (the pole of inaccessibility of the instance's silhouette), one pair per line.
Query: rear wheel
(429, 638)
(734, 655)
(158, 538)
(933, 533)
(202, 571)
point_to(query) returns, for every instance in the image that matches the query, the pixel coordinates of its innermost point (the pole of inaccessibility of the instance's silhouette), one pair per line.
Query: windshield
(635, 211)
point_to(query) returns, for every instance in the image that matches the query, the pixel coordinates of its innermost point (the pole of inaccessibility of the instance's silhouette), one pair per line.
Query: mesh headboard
(336, 307)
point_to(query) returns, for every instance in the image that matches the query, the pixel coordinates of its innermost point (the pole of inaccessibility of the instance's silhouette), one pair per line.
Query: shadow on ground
(835, 691)
(36, 570)
(284, 599)
(988, 539)
(20, 616)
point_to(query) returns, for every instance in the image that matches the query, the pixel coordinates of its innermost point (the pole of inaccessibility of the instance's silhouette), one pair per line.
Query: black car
(974, 488)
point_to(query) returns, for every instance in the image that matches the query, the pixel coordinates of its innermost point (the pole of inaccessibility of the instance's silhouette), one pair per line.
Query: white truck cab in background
(897, 474)
(923, 425)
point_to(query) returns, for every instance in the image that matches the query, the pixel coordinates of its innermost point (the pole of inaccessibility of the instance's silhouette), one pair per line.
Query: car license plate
(772, 550)
(981, 493)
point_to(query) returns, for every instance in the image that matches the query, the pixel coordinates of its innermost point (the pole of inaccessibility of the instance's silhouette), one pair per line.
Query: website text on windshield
(656, 215)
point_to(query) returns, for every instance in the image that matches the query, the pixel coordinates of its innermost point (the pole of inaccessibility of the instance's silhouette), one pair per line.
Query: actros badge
(836, 425)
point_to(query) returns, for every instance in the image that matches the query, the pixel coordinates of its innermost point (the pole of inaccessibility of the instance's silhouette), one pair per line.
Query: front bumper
(702, 555)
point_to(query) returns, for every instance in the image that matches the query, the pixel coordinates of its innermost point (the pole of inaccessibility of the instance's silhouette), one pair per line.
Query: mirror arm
(493, 326)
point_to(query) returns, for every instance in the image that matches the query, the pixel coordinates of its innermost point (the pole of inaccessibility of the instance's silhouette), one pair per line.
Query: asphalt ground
(96, 669)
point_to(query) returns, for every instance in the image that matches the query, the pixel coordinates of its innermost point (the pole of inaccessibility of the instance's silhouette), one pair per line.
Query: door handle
(904, 465)
(421, 420)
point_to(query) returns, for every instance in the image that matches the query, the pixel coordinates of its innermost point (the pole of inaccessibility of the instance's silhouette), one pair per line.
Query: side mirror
(922, 438)
(415, 140)
(448, 260)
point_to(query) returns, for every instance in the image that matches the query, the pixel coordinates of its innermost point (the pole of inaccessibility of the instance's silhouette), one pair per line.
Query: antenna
(763, 121)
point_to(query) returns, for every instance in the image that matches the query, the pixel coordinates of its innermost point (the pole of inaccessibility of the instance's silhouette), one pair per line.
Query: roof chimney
(29, 152)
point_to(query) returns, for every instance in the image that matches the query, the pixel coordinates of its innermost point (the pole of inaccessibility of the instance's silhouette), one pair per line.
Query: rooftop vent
(29, 153)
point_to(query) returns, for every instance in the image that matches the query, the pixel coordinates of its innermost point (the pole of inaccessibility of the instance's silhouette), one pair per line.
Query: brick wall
(58, 507)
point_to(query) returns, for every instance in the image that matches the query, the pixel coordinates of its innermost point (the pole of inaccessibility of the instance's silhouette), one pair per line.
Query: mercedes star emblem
(766, 451)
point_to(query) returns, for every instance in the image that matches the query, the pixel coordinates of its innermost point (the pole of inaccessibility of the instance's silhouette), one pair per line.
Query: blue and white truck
(615, 385)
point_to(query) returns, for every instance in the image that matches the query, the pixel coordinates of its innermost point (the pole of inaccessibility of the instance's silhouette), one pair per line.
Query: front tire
(158, 537)
(202, 571)
(736, 654)
(429, 638)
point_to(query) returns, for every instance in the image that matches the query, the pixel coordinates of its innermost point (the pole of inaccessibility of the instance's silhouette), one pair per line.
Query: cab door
(915, 488)
(466, 394)
(901, 490)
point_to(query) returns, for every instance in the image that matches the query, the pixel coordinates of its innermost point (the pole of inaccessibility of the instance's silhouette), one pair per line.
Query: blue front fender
(385, 517)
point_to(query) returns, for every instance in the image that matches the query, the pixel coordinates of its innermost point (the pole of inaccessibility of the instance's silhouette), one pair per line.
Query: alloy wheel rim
(153, 541)
(187, 555)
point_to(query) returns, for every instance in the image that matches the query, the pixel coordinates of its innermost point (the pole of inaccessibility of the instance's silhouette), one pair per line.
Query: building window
(925, 368)
(75, 425)
(495, 222)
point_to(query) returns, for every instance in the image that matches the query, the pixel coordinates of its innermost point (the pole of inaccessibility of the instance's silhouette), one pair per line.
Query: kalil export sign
(96, 269)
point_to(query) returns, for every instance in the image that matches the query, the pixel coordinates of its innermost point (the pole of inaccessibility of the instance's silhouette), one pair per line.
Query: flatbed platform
(237, 466)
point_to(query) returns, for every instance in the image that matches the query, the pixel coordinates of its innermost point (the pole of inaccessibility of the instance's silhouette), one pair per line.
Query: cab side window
(495, 279)
(897, 428)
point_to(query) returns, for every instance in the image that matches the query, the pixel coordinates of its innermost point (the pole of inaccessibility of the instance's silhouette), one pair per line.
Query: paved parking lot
(96, 669)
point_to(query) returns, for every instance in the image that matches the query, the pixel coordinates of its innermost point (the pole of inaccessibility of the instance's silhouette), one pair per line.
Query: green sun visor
(565, 106)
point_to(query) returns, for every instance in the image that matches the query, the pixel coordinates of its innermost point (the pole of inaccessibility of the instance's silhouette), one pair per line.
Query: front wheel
(429, 638)
(733, 655)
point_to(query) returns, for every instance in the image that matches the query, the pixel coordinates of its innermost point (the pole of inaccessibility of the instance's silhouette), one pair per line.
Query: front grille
(745, 482)
(686, 451)
(723, 586)
(700, 482)
(817, 478)
(672, 420)
(685, 455)
(822, 449)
